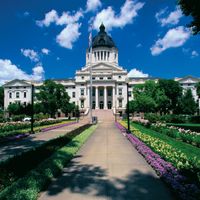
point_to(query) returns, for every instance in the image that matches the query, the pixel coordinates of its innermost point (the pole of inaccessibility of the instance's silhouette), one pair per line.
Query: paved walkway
(16, 147)
(107, 167)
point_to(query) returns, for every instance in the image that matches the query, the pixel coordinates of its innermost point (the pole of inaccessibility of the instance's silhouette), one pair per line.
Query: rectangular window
(129, 93)
(93, 78)
(10, 95)
(24, 94)
(109, 78)
(17, 95)
(73, 94)
(109, 93)
(101, 78)
(82, 92)
(93, 92)
(101, 93)
(120, 91)
(120, 103)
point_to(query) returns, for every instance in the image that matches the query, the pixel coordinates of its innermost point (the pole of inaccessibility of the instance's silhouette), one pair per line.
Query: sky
(42, 39)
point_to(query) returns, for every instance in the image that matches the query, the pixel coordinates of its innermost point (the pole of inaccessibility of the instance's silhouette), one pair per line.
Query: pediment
(16, 82)
(189, 79)
(103, 67)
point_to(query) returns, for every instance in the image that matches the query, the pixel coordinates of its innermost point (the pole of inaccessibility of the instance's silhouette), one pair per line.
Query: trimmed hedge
(192, 127)
(28, 187)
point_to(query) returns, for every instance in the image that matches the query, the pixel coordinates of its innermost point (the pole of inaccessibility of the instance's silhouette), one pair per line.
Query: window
(108, 55)
(82, 103)
(95, 55)
(98, 55)
(120, 83)
(101, 78)
(104, 55)
(82, 92)
(101, 55)
(82, 84)
(93, 78)
(66, 87)
(24, 94)
(115, 56)
(101, 93)
(93, 92)
(24, 87)
(119, 77)
(82, 77)
(109, 93)
(24, 103)
(73, 94)
(17, 95)
(120, 91)
(10, 95)
(73, 87)
(129, 93)
(120, 103)
(109, 78)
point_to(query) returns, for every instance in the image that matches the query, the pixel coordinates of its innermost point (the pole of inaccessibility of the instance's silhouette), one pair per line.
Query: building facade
(109, 80)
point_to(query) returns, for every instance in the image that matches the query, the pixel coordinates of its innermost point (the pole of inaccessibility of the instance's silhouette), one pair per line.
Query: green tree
(188, 103)
(15, 109)
(173, 92)
(68, 107)
(1, 97)
(192, 8)
(52, 96)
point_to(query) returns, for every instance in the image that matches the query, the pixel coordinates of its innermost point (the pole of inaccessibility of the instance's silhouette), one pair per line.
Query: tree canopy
(192, 8)
(53, 96)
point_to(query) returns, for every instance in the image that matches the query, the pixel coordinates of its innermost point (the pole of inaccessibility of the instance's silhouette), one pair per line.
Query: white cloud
(127, 13)
(137, 73)
(26, 14)
(175, 37)
(31, 54)
(10, 71)
(139, 45)
(195, 54)
(50, 17)
(92, 5)
(45, 51)
(68, 35)
(172, 19)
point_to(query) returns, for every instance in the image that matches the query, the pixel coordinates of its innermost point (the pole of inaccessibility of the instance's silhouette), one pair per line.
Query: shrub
(195, 119)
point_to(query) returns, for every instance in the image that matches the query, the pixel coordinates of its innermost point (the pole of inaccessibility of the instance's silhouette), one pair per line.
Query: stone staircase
(104, 115)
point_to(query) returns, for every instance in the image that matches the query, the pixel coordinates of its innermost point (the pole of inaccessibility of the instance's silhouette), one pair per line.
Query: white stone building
(108, 80)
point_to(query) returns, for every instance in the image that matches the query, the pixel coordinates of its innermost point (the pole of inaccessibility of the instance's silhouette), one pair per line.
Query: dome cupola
(102, 39)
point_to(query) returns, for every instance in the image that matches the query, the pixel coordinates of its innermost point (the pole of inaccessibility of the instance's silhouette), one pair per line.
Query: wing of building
(109, 87)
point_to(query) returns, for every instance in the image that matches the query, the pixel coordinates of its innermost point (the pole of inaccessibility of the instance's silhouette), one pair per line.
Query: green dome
(102, 39)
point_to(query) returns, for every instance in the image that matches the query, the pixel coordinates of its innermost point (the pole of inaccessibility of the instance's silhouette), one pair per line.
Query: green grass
(28, 187)
(188, 149)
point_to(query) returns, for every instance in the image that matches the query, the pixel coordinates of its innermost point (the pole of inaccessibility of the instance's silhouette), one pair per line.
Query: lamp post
(128, 119)
(32, 108)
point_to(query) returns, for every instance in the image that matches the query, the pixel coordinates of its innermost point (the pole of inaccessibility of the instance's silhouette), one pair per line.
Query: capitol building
(109, 80)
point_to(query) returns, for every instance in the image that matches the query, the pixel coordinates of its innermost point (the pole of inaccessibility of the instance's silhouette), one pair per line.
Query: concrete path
(107, 167)
(10, 149)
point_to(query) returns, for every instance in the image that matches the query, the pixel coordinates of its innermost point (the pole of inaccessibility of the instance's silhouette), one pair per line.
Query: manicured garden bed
(175, 176)
(12, 170)
(17, 134)
(192, 127)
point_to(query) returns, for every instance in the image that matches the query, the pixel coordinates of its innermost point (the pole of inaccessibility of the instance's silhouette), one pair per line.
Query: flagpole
(90, 64)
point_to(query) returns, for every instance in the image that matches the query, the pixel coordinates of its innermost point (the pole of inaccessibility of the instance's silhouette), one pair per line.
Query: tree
(192, 8)
(198, 94)
(52, 96)
(173, 92)
(68, 107)
(188, 103)
(1, 97)
(15, 109)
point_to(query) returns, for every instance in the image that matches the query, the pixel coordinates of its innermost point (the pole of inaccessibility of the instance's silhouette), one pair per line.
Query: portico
(103, 97)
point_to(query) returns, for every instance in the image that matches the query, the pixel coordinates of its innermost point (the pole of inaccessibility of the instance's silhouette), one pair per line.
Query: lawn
(32, 171)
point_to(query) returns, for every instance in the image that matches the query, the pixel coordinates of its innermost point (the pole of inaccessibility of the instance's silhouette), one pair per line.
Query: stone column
(105, 98)
(97, 98)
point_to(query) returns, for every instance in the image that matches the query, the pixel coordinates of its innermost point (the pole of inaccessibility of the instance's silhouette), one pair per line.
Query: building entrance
(101, 105)
(109, 105)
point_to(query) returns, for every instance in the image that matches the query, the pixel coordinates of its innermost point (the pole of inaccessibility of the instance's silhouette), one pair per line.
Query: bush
(195, 119)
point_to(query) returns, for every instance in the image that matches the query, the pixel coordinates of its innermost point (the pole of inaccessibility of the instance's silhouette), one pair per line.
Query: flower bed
(164, 169)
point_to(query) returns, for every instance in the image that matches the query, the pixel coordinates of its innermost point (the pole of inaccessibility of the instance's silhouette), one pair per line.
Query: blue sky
(41, 39)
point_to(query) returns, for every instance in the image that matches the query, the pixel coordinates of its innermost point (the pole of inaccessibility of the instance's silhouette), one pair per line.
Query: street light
(32, 108)
(128, 119)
